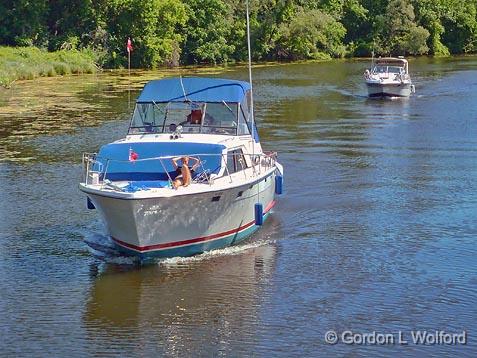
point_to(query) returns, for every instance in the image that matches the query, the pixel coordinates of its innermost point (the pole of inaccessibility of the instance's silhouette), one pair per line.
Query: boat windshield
(205, 117)
(388, 69)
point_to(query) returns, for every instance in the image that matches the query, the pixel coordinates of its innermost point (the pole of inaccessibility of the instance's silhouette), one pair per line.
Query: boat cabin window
(220, 118)
(243, 124)
(212, 118)
(147, 117)
(235, 161)
(388, 69)
(394, 69)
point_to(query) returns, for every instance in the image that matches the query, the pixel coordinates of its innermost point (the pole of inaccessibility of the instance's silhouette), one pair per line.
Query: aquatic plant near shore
(22, 63)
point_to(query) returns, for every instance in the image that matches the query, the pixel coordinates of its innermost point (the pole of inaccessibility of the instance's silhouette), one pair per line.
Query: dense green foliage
(173, 32)
(30, 62)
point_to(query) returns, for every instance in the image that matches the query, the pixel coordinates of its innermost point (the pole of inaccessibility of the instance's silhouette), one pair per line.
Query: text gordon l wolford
(419, 337)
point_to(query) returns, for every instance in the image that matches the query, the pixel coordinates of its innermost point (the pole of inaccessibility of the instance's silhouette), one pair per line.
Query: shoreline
(28, 63)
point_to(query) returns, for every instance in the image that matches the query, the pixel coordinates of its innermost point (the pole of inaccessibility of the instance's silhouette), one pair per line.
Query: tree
(208, 27)
(165, 32)
(23, 22)
(269, 19)
(460, 22)
(312, 34)
(68, 22)
(154, 27)
(429, 14)
(397, 31)
(356, 21)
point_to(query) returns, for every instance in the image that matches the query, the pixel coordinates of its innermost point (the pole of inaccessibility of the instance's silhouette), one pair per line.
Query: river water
(375, 233)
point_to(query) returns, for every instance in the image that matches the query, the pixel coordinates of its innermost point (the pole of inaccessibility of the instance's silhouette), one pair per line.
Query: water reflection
(183, 303)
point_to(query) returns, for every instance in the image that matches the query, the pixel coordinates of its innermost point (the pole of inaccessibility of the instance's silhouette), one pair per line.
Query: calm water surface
(376, 231)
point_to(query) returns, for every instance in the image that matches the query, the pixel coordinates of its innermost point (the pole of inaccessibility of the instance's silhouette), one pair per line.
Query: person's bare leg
(177, 183)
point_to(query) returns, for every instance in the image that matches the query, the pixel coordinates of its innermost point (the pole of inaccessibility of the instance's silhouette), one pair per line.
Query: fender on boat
(89, 204)
(258, 214)
(278, 184)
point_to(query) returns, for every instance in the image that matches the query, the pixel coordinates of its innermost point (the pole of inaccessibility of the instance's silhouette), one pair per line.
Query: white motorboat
(389, 77)
(234, 182)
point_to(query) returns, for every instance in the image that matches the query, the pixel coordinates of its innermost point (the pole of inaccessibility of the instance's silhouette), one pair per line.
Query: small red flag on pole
(129, 48)
(132, 155)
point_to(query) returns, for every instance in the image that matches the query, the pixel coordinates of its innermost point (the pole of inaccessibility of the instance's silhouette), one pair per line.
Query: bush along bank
(24, 63)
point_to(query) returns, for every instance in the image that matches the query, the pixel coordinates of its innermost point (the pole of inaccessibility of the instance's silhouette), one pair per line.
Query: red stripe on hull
(192, 241)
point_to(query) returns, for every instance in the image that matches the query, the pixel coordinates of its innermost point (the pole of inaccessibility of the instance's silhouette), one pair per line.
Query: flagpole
(129, 73)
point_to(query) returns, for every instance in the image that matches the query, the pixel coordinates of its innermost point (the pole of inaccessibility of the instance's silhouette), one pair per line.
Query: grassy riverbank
(23, 63)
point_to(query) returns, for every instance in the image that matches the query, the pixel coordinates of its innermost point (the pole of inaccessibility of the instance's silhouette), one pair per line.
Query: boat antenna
(372, 56)
(183, 89)
(250, 74)
(250, 67)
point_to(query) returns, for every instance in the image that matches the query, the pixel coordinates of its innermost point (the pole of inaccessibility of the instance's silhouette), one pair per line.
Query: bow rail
(96, 169)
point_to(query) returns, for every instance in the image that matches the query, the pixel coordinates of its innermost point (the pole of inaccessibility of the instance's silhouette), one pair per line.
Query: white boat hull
(185, 225)
(393, 89)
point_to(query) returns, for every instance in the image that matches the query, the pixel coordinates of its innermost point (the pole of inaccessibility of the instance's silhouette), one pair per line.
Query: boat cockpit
(388, 69)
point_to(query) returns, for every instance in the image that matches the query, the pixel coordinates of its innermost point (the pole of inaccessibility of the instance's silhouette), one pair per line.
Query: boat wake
(208, 255)
(103, 248)
(347, 93)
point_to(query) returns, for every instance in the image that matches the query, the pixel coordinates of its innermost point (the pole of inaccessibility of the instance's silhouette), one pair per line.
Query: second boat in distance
(389, 77)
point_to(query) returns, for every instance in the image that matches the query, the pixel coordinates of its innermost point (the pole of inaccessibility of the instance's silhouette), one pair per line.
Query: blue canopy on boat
(194, 89)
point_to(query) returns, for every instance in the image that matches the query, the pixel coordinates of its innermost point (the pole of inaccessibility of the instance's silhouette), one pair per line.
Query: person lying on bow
(185, 172)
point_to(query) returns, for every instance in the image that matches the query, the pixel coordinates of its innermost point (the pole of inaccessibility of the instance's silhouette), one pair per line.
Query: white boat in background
(389, 77)
(232, 191)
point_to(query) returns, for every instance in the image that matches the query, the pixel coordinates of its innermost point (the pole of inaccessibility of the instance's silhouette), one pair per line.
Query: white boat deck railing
(95, 172)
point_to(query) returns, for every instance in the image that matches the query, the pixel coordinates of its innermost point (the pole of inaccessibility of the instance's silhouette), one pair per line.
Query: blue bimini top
(194, 89)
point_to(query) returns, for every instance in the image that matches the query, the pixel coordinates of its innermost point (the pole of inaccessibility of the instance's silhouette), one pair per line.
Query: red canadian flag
(129, 45)
(132, 155)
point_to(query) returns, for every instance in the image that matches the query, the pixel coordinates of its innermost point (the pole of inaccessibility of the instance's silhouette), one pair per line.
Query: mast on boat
(250, 74)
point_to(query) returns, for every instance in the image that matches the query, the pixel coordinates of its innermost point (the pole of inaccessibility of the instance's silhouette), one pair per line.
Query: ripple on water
(375, 232)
